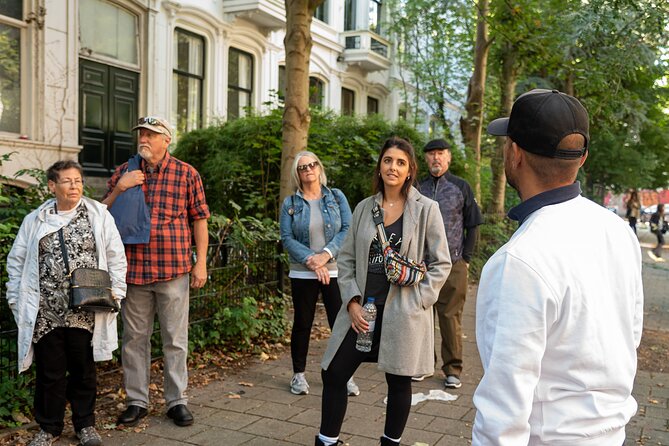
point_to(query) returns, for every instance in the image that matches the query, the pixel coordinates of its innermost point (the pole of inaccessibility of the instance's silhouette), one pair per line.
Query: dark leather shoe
(131, 415)
(180, 415)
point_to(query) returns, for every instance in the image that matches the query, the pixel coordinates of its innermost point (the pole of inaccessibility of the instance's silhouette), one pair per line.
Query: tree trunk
(507, 86)
(471, 125)
(296, 116)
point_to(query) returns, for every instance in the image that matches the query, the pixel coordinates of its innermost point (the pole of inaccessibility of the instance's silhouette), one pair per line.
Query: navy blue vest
(131, 213)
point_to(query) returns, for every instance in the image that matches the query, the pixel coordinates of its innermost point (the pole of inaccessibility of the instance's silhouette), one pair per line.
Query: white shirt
(558, 320)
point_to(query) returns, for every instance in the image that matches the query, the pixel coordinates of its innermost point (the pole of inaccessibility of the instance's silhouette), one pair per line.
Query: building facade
(76, 74)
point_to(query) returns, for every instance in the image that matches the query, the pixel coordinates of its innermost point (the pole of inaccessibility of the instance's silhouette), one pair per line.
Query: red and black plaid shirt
(175, 196)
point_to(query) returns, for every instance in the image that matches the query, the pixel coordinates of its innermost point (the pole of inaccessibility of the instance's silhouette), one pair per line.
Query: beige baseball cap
(155, 124)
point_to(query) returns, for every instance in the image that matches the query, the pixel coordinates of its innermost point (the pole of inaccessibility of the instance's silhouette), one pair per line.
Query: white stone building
(76, 74)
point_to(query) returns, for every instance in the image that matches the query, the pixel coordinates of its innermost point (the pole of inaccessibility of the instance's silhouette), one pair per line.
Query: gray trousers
(170, 300)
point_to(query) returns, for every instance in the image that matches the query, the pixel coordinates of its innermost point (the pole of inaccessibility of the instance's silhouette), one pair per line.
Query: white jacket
(23, 293)
(558, 319)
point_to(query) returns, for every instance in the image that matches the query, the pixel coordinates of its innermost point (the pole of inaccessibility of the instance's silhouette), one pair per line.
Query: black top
(377, 283)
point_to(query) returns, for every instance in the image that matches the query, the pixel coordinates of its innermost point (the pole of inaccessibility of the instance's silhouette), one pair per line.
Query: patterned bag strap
(63, 248)
(380, 228)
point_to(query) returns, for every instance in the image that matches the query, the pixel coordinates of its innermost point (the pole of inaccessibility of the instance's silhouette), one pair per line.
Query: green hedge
(240, 160)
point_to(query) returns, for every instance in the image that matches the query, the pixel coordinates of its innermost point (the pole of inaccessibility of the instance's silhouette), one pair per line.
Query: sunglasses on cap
(150, 120)
(312, 165)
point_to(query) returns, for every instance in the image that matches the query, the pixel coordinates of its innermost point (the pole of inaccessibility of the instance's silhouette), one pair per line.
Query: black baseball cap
(437, 144)
(540, 119)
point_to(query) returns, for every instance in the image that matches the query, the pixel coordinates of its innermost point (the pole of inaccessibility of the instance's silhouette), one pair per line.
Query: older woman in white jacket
(63, 342)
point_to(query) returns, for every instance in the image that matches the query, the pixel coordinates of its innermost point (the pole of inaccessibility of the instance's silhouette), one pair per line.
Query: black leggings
(341, 369)
(305, 295)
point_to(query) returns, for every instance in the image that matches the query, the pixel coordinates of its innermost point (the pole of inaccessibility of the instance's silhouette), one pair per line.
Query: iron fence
(233, 274)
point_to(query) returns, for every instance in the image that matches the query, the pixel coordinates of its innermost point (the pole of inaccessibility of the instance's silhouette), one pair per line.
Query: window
(281, 94)
(11, 29)
(349, 15)
(403, 112)
(315, 92)
(347, 101)
(375, 15)
(240, 83)
(187, 80)
(316, 88)
(321, 12)
(372, 105)
(107, 30)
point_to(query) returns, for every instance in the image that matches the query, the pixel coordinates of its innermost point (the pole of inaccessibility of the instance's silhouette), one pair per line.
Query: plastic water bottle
(364, 341)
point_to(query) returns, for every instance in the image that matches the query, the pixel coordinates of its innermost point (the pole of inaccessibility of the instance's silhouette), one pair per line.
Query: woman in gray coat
(403, 340)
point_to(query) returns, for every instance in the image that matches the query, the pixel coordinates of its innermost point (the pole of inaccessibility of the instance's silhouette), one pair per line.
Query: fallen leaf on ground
(245, 384)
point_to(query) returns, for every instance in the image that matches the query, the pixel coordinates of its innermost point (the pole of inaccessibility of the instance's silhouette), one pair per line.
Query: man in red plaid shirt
(159, 271)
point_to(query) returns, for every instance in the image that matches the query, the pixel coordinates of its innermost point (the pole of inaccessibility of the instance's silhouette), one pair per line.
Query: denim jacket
(294, 223)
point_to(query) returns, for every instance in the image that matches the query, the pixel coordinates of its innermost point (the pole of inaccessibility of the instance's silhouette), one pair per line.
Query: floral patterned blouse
(54, 285)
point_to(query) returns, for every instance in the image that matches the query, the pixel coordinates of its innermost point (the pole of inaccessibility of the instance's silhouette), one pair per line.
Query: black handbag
(90, 288)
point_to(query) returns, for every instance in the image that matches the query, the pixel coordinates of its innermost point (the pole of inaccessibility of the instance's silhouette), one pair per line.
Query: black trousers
(305, 296)
(341, 369)
(65, 372)
(660, 243)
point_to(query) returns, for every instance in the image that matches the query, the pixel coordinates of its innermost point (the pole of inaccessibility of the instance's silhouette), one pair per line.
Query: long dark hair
(406, 147)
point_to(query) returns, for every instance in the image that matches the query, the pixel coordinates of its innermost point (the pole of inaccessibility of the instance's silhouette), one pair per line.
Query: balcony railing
(366, 49)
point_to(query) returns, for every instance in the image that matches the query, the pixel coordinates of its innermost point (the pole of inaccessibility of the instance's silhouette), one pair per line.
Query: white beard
(435, 170)
(144, 152)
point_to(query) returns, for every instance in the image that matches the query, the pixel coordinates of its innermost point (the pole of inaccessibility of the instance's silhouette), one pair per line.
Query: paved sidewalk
(231, 412)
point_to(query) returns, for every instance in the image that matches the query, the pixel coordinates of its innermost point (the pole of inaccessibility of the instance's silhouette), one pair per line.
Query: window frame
(318, 82)
(322, 12)
(237, 88)
(377, 106)
(378, 19)
(25, 69)
(352, 111)
(189, 75)
(110, 60)
(349, 15)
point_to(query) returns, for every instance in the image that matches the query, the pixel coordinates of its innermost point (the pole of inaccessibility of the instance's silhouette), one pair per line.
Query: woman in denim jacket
(314, 222)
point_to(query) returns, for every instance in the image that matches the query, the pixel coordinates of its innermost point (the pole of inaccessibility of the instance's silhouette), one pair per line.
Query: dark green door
(107, 113)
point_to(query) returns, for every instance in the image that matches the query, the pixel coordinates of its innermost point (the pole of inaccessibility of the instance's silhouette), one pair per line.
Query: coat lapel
(412, 210)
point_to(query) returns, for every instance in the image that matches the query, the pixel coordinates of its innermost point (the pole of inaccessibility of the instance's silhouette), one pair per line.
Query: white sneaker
(452, 382)
(299, 384)
(419, 378)
(352, 388)
(652, 255)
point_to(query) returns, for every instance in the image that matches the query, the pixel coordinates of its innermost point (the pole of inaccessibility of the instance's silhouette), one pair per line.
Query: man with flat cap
(560, 306)
(155, 200)
(462, 217)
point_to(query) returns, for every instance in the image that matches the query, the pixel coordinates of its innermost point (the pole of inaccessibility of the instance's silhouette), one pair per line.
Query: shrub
(492, 235)
(240, 160)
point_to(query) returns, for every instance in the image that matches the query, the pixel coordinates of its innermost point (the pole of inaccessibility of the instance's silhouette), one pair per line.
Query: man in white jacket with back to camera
(560, 306)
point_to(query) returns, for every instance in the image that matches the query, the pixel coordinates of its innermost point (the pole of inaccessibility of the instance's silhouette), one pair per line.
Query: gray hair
(296, 183)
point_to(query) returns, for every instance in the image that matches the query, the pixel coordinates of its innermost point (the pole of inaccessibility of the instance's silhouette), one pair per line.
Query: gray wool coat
(407, 335)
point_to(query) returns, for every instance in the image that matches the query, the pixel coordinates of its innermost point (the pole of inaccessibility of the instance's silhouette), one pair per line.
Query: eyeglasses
(78, 182)
(311, 166)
